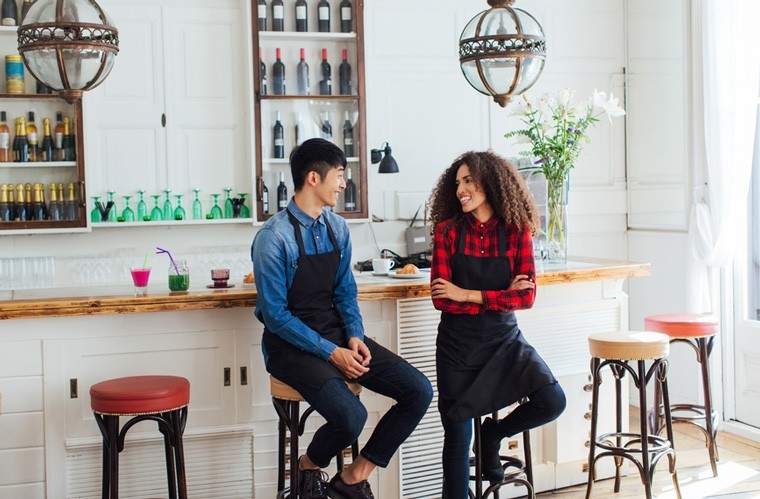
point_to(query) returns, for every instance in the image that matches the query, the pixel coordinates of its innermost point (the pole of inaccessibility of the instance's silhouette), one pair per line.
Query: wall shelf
(346, 98)
(40, 164)
(306, 36)
(173, 223)
(30, 96)
(287, 161)
(8, 29)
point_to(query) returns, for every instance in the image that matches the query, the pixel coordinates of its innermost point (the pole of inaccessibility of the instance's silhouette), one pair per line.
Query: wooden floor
(738, 472)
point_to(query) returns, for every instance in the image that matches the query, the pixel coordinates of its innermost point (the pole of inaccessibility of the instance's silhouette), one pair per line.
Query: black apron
(483, 362)
(310, 298)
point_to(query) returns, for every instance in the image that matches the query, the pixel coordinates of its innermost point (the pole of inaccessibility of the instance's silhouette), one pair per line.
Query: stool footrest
(655, 443)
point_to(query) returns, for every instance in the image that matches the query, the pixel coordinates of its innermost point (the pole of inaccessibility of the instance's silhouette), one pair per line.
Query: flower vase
(556, 224)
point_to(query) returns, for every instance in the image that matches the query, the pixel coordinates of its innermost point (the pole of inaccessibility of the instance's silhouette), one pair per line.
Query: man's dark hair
(314, 155)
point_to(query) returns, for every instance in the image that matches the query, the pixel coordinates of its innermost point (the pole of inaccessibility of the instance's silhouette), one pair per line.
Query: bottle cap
(345, 54)
(279, 52)
(31, 115)
(324, 54)
(303, 54)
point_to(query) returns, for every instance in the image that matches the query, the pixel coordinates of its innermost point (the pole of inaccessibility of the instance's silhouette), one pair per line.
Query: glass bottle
(179, 211)
(5, 207)
(168, 209)
(216, 212)
(95, 213)
(156, 214)
(228, 209)
(71, 206)
(127, 214)
(197, 207)
(142, 208)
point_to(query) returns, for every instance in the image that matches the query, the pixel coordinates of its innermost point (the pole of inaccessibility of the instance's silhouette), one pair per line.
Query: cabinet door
(206, 98)
(125, 140)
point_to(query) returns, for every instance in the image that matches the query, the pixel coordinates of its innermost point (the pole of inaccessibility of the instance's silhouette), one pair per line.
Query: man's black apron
(483, 362)
(310, 298)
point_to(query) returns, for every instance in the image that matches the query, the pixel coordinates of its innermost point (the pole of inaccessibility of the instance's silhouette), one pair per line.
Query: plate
(211, 286)
(395, 275)
(249, 285)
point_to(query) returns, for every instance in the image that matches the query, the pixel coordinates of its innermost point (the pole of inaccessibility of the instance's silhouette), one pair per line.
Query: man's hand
(444, 289)
(358, 346)
(348, 362)
(522, 282)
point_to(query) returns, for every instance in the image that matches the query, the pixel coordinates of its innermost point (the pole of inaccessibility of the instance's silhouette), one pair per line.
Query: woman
(482, 272)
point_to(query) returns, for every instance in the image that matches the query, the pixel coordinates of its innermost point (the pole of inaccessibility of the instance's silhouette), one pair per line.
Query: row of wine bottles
(56, 145)
(24, 202)
(302, 16)
(349, 195)
(279, 86)
(301, 134)
(10, 13)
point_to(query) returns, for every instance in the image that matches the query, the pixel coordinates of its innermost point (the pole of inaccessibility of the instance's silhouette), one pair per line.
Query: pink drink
(140, 277)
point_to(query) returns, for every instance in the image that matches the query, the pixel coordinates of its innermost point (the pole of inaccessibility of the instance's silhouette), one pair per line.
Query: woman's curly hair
(503, 185)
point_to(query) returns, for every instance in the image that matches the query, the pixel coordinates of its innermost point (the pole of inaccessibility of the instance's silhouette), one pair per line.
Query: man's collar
(301, 215)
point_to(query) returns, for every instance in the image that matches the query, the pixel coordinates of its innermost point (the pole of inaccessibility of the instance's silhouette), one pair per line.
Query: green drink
(179, 281)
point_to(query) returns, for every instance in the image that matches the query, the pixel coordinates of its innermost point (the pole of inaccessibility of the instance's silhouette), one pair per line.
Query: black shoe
(312, 484)
(489, 452)
(338, 489)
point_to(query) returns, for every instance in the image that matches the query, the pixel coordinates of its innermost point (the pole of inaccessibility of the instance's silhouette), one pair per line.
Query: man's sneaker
(338, 489)
(312, 484)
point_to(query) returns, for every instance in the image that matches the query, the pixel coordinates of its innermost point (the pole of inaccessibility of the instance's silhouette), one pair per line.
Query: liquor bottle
(59, 192)
(262, 9)
(9, 13)
(32, 138)
(16, 138)
(5, 139)
(22, 144)
(47, 150)
(350, 192)
(38, 203)
(22, 214)
(344, 72)
(43, 89)
(326, 131)
(301, 129)
(263, 73)
(71, 206)
(324, 16)
(28, 200)
(278, 15)
(69, 147)
(302, 16)
(265, 199)
(5, 205)
(56, 211)
(346, 17)
(278, 75)
(282, 193)
(278, 133)
(325, 84)
(303, 75)
(59, 130)
(348, 137)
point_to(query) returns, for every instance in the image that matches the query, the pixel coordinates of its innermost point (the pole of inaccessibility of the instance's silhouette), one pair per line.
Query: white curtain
(726, 84)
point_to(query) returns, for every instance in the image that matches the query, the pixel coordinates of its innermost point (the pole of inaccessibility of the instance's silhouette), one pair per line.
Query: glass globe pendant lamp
(502, 51)
(68, 45)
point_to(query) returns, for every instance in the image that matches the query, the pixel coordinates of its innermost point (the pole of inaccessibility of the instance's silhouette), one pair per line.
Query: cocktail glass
(127, 214)
(245, 212)
(140, 277)
(229, 211)
(156, 215)
(197, 208)
(142, 208)
(179, 211)
(168, 209)
(95, 213)
(216, 211)
(112, 216)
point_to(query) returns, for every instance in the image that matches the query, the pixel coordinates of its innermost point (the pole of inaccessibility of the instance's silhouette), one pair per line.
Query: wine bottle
(28, 200)
(348, 137)
(278, 133)
(263, 73)
(22, 214)
(325, 84)
(71, 206)
(5, 139)
(346, 17)
(47, 150)
(25, 8)
(22, 144)
(326, 131)
(350, 192)
(5, 205)
(32, 138)
(59, 130)
(282, 194)
(9, 13)
(278, 75)
(324, 16)
(262, 9)
(38, 206)
(302, 16)
(69, 147)
(278, 15)
(301, 129)
(303, 75)
(344, 73)
(265, 199)
(56, 213)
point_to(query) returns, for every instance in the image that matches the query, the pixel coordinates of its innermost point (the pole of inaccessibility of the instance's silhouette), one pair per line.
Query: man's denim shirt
(275, 259)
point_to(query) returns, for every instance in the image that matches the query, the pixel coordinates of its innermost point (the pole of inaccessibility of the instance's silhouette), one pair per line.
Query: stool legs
(710, 437)
(662, 382)
(595, 382)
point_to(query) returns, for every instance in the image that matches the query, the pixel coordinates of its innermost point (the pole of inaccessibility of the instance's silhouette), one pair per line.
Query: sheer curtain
(726, 84)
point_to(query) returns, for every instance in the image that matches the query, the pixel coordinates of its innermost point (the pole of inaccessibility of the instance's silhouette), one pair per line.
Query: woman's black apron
(483, 362)
(310, 298)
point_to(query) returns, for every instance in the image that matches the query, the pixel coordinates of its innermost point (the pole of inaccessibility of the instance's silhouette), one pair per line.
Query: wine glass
(142, 208)
(216, 212)
(95, 213)
(179, 211)
(228, 209)
(197, 208)
(168, 209)
(245, 212)
(112, 217)
(127, 214)
(156, 215)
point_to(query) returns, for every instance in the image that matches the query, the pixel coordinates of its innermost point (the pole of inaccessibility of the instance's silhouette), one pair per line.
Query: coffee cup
(381, 266)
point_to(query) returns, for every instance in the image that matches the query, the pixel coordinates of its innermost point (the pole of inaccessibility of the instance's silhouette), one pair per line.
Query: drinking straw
(145, 260)
(171, 259)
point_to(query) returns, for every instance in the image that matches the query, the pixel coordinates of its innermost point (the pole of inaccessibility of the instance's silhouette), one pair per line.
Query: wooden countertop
(59, 302)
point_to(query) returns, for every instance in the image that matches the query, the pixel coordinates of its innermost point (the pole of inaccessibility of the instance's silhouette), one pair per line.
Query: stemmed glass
(197, 208)
(95, 213)
(179, 211)
(127, 214)
(216, 212)
(156, 215)
(229, 212)
(245, 212)
(168, 210)
(112, 217)
(142, 208)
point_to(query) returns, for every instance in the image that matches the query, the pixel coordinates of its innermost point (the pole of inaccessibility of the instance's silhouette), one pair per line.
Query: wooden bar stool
(286, 401)
(697, 331)
(522, 475)
(616, 350)
(162, 399)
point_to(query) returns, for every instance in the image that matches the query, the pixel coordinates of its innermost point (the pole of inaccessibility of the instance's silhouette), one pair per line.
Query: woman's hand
(522, 282)
(444, 289)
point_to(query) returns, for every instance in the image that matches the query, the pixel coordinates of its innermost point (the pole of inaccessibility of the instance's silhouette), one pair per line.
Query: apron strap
(502, 240)
(297, 229)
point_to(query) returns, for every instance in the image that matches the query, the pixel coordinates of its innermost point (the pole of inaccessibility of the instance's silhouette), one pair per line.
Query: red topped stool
(162, 399)
(697, 331)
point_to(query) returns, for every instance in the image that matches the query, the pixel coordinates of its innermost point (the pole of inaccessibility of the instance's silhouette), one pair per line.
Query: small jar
(179, 282)
(14, 74)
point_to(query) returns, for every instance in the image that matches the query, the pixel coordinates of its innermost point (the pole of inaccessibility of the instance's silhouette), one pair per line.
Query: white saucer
(395, 275)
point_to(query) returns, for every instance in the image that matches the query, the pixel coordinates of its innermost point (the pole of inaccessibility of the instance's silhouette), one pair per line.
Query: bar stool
(522, 475)
(697, 331)
(162, 399)
(616, 350)
(286, 401)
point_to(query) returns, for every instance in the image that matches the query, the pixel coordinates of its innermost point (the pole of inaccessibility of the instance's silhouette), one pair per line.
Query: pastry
(409, 268)
(248, 279)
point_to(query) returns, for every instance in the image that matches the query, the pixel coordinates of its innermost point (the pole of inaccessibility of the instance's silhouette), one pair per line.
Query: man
(314, 337)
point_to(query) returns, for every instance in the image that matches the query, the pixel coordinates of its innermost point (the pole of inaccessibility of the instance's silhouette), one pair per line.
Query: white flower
(610, 106)
(564, 97)
(599, 99)
(522, 140)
